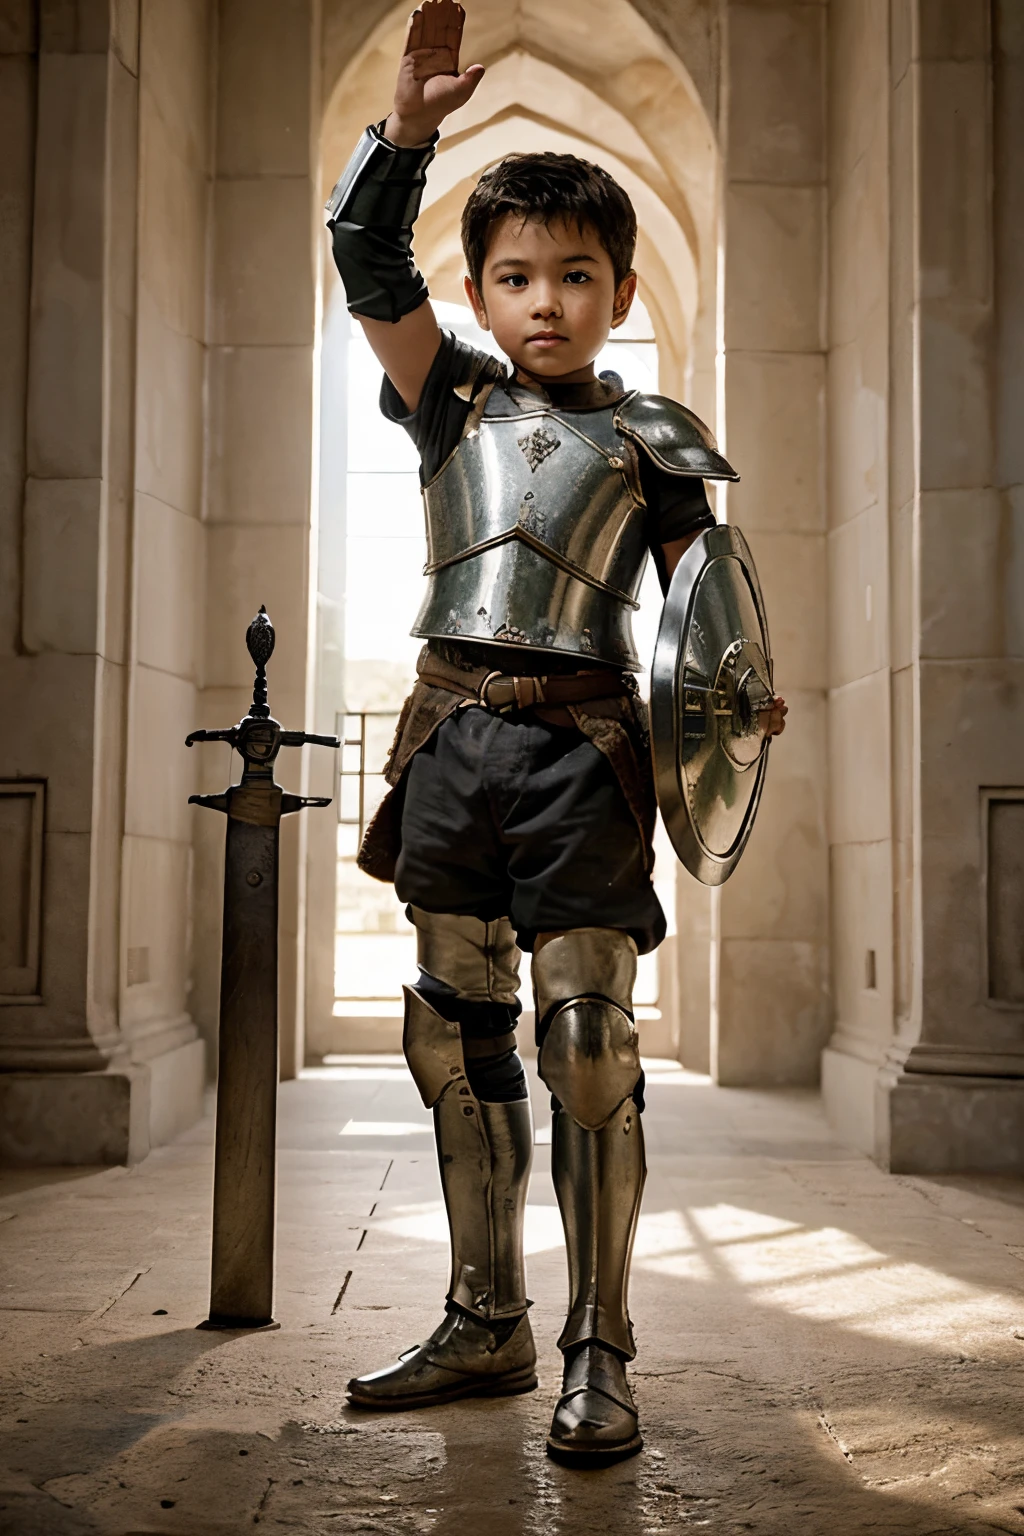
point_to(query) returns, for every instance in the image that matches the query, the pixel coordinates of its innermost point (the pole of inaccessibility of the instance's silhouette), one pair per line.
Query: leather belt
(499, 692)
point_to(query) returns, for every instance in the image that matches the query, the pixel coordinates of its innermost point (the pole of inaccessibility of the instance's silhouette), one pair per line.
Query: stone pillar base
(52, 1119)
(925, 1122)
(931, 1123)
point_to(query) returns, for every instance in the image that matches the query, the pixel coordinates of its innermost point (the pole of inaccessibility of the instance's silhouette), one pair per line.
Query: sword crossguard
(230, 735)
(291, 803)
(212, 802)
(303, 738)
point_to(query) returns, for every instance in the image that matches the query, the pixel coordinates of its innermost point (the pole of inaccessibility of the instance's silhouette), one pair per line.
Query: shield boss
(712, 677)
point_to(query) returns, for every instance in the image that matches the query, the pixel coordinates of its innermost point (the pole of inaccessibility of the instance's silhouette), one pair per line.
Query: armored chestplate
(535, 536)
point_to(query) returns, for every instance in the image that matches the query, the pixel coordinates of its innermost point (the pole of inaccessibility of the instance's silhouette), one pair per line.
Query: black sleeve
(676, 505)
(437, 423)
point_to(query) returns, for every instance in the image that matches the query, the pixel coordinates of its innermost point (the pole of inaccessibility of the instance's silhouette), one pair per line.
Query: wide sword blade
(242, 1284)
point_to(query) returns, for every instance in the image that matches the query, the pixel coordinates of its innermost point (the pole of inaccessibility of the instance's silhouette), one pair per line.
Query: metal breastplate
(534, 536)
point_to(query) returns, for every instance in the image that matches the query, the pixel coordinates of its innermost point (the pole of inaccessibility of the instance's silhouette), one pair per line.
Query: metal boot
(590, 1060)
(484, 1346)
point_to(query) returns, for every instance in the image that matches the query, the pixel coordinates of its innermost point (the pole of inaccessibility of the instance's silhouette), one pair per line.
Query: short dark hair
(545, 187)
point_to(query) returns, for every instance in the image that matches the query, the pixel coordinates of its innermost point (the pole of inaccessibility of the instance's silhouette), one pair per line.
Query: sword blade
(242, 1284)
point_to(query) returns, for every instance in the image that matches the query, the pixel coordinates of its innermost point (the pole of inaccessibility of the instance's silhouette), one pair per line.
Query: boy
(522, 808)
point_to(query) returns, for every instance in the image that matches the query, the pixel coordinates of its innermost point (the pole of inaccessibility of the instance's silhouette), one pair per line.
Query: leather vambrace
(370, 215)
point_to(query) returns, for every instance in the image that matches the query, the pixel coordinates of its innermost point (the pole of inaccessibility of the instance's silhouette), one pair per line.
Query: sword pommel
(259, 641)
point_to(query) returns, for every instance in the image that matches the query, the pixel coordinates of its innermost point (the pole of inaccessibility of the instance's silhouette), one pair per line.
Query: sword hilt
(258, 735)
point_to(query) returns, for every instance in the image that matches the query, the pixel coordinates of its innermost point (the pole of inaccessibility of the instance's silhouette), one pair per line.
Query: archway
(603, 84)
(615, 93)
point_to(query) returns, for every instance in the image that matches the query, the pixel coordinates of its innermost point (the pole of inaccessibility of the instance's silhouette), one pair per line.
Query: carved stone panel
(1003, 829)
(22, 804)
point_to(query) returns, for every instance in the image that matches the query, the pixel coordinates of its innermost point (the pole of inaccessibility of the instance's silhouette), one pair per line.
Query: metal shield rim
(722, 541)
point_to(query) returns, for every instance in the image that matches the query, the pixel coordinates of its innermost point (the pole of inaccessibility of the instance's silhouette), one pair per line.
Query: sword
(244, 1180)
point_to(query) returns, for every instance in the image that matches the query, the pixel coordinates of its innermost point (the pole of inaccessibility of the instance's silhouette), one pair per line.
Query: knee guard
(469, 972)
(589, 1055)
(590, 1059)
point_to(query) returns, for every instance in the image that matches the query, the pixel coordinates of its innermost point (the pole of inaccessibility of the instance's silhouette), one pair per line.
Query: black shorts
(507, 816)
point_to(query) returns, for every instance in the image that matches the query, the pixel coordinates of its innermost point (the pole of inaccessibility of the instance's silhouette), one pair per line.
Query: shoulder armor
(676, 439)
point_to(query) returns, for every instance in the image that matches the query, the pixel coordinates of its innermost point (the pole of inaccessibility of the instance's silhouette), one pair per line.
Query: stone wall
(21, 806)
(832, 203)
(165, 591)
(925, 1070)
(92, 1071)
(159, 250)
(265, 247)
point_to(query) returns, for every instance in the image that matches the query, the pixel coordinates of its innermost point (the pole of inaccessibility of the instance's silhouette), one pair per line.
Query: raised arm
(373, 207)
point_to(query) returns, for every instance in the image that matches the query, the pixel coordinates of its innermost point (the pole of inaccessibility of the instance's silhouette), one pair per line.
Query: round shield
(710, 684)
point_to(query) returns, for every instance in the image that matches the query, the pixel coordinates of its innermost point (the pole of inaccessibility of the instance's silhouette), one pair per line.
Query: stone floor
(822, 1348)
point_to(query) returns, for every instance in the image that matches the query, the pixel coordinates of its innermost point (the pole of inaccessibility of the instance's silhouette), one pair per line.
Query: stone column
(951, 1095)
(19, 82)
(260, 388)
(174, 141)
(860, 769)
(80, 1082)
(946, 1091)
(769, 923)
(322, 840)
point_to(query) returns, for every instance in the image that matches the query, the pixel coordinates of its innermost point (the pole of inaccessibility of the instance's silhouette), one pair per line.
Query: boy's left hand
(773, 721)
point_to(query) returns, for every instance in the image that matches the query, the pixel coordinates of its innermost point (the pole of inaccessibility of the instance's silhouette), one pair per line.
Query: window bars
(365, 739)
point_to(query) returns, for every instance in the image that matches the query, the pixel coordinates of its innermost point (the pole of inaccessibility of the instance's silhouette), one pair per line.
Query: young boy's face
(548, 295)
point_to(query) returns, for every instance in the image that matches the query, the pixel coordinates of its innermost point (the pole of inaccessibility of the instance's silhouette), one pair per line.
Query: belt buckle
(526, 692)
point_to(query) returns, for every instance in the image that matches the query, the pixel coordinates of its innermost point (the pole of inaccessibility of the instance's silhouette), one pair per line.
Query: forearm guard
(370, 215)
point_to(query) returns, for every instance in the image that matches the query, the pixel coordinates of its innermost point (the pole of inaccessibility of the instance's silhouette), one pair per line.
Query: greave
(590, 1060)
(484, 1152)
(599, 1178)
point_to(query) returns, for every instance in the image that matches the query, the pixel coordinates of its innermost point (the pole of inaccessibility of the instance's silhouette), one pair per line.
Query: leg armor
(590, 1059)
(485, 1148)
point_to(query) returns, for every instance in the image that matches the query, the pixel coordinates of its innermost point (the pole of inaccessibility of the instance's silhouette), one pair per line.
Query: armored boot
(590, 1059)
(473, 1081)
